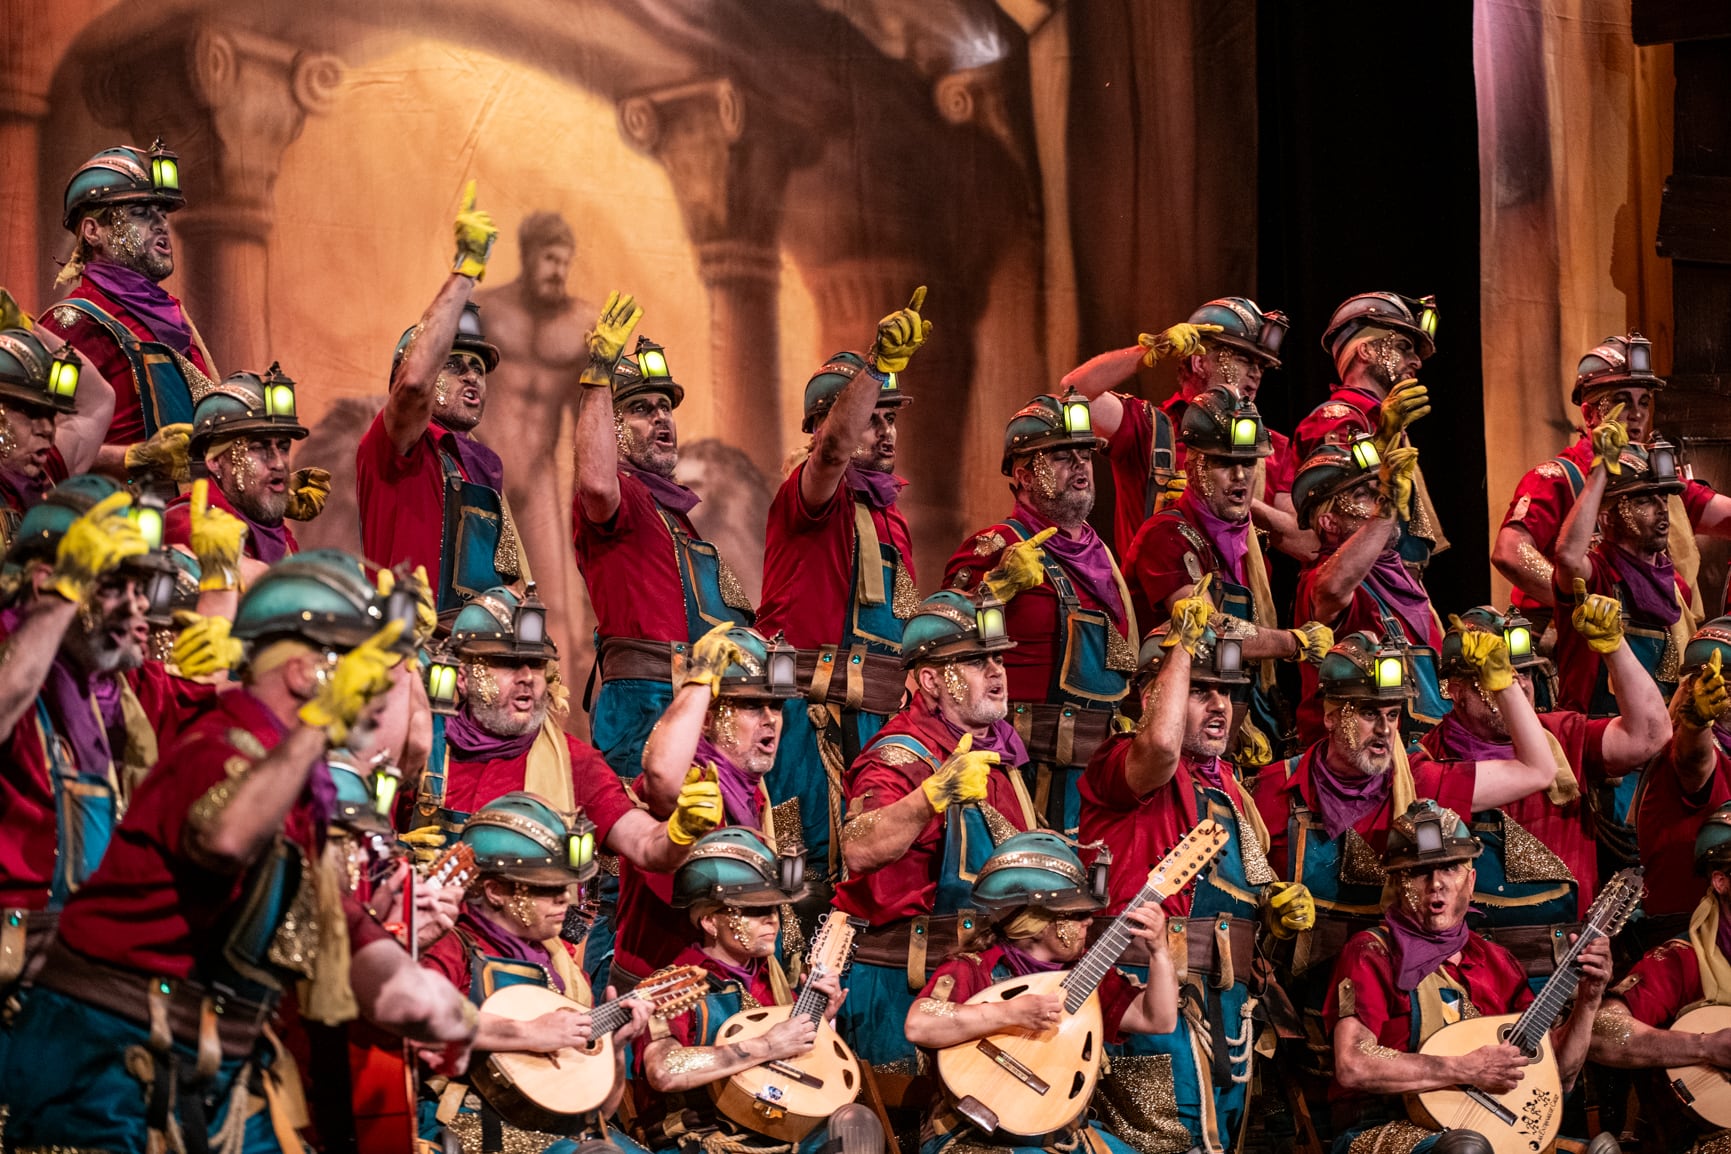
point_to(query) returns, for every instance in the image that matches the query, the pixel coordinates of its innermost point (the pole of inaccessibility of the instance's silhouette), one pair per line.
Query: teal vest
(86, 811)
(1080, 675)
(158, 372)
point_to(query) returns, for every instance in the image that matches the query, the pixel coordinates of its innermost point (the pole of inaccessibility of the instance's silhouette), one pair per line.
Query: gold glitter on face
(622, 435)
(1412, 895)
(1631, 526)
(1065, 932)
(955, 687)
(1045, 477)
(740, 929)
(690, 1059)
(1347, 728)
(441, 391)
(522, 907)
(481, 684)
(8, 443)
(240, 464)
(1231, 372)
(724, 725)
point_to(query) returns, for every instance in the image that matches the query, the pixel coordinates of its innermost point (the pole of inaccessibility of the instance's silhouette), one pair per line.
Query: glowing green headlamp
(63, 374)
(1364, 454)
(1390, 672)
(164, 168)
(1244, 430)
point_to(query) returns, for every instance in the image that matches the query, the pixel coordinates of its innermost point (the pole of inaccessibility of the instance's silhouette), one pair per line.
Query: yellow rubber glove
(606, 341)
(558, 693)
(360, 675)
(93, 546)
(1609, 438)
(1168, 494)
(1399, 467)
(1190, 618)
(1405, 403)
(12, 314)
(1487, 655)
(216, 539)
(1181, 340)
(1708, 695)
(425, 837)
(1314, 641)
(1598, 619)
(203, 645)
(163, 457)
(475, 233)
(1288, 908)
(426, 609)
(1020, 567)
(962, 778)
(901, 334)
(699, 808)
(709, 658)
(307, 492)
(1251, 749)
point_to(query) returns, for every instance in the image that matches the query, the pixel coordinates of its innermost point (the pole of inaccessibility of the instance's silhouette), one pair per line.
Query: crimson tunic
(1667, 978)
(1577, 664)
(402, 498)
(1666, 821)
(630, 567)
(151, 906)
(177, 523)
(1158, 564)
(469, 785)
(808, 563)
(95, 342)
(1350, 412)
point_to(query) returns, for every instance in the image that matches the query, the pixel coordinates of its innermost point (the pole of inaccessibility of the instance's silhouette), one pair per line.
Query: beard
(261, 506)
(1201, 747)
(501, 719)
(94, 650)
(983, 712)
(131, 246)
(651, 456)
(1067, 509)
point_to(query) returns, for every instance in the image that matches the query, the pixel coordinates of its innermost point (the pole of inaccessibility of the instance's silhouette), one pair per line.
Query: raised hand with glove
(1707, 695)
(1399, 468)
(308, 490)
(475, 233)
(606, 341)
(1287, 909)
(203, 645)
(1020, 567)
(358, 676)
(1314, 641)
(1181, 340)
(94, 546)
(1190, 616)
(699, 808)
(1487, 655)
(1597, 618)
(164, 457)
(1609, 439)
(12, 314)
(961, 779)
(1405, 403)
(901, 334)
(216, 537)
(709, 658)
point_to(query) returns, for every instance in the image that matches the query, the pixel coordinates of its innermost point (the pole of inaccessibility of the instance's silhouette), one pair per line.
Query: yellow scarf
(548, 771)
(1704, 936)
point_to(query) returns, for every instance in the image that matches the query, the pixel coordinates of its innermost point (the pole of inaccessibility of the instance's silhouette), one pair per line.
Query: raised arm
(79, 434)
(1700, 701)
(1096, 377)
(1346, 569)
(1642, 725)
(1517, 557)
(1498, 783)
(596, 442)
(877, 837)
(1279, 520)
(672, 746)
(1575, 538)
(410, 404)
(660, 846)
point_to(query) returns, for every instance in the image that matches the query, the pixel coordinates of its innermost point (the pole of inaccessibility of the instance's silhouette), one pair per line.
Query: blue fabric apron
(474, 523)
(163, 391)
(1544, 895)
(1430, 706)
(1613, 800)
(85, 814)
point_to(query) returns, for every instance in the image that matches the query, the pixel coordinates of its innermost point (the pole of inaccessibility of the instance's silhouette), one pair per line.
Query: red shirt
(177, 523)
(150, 906)
(449, 957)
(1666, 821)
(1361, 613)
(1577, 664)
(684, 1026)
(1159, 561)
(1347, 414)
(973, 973)
(1566, 830)
(1665, 980)
(808, 563)
(1451, 786)
(883, 775)
(95, 342)
(469, 785)
(402, 498)
(1141, 830)
(631, 568)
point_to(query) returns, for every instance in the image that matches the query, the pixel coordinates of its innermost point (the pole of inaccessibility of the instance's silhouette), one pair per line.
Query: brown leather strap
(917, 953)
(1323, 944)
(1536, 948)
(1060, 734)
(872, 682)
(892, 945)
(629, 658)
(1196, 946)
(822, 670)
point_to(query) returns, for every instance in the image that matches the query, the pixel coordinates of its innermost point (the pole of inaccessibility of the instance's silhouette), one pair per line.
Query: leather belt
(24, 938)
(129, 994)
(630, 658)
(855, 678)
(918, 945)
(1323, 944)
(1537, 948)
(1060, 734)
(1195, 946)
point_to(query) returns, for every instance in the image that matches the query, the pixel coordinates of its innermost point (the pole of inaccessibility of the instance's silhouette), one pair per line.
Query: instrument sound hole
(840, 1050)
(732, 1031)
(1088, 1047)
(847, 1078)
(1012, 992)
(1077, 1083)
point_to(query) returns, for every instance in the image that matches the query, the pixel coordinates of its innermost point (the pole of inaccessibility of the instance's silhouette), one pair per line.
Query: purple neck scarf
(879, 490)
(1231, 539)
(1651, 585)
(748, 976)
(1002, 739)
(70, 697)
(144, 299)
(1418, 951)
(738, 788)
(1393, 584)
(269, 543)
(28, 490)
(475, 744)
(1022, 963)
(495, 940)
(1209, 773)
(1342, 801)
(668, 493)
(480, 464)
(1461, 744)
(1084, 556)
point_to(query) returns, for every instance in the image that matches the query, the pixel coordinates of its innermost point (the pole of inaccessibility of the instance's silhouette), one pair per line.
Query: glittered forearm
(1614, 1026)
(861, 826)
(936, 1008)
(689, 1060)
(1371, 1048)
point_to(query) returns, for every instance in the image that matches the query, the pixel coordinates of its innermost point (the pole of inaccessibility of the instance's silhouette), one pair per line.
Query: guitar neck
(609, 1016)
(810, 1003)
(1104, 954)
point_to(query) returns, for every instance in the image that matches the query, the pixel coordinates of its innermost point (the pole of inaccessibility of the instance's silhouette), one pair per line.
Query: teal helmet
(45, 523)
(246, 404)
(1517, 632)
(1713, 637)
(1617, 361)
(470, 338)
(644, 370)
(1649, 468)
(358, 805)
(950, 624)
(521, 838)
(828, 382)
(1220, 423)
(1040, 869)
(1049, 422)
(734, 866)
(1713, 841)
(1330, 470)
(498, 623)
(1244, 327)
(1416, 318)
(1218, 661)
(124, 175)
(1428, 835)
(1363, 667)
(322, 597)
(765, 669)
(31, 379)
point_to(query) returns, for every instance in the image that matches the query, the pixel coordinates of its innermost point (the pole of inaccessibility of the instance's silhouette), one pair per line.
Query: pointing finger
(468, 197)
(918, 300)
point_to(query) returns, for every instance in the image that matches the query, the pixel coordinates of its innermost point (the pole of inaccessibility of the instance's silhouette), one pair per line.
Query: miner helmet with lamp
(45, 523)
(950, 625)
(33, 380)
(1331, 470)
(1649, 468)
(836, 374)
(124, 175)
(644, 370)
(520, 838)
(1219, 423)
(735, 867)
(1219, 660)
(1522, 639)
(1363, 667)
(1413, 317)
(247, 404)
(1427, 836)
(1624, 361)
(1244, 327)
(499, 623)
(470, 338)
(1049, 422)
(1043, 870)
(323, 597)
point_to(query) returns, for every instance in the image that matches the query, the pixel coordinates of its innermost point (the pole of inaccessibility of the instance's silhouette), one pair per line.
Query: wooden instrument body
(1705, 1090)
(1036, 1084)
(787, 1099)
(1521, 1121)
(549, 1092)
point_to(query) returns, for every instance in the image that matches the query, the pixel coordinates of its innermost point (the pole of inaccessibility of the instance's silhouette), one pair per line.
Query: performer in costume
(1421, 969)
(430, 493)
(508, 933)
(938, 787)
(1353, 495)
(54, 411)
(1227, 343)
(732, 889)
(1141, 795)
(655, 585)
(1206, 535)
(1540, 870)
(1038, 902)
(148, 1015)
(1378, 341)
(838, 578)
(1066, 605)
(724, 725)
